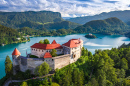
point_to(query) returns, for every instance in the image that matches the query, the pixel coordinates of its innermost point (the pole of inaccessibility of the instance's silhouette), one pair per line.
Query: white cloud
(67, 8)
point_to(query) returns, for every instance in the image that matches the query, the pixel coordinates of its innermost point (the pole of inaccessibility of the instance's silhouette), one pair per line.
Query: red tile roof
(72, 43)
(16, 52)
(54, 42)
(47, 55)
(46, 46)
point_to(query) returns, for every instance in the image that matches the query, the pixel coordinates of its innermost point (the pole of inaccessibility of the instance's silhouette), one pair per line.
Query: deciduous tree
(53, 53)
(24, 84)
(46, 41)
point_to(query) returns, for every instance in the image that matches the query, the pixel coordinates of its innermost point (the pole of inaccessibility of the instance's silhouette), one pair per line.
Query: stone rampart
(61, 61)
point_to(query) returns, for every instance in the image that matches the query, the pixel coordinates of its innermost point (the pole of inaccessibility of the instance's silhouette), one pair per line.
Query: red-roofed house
(73, 47)
(40, 49)
(47, 55)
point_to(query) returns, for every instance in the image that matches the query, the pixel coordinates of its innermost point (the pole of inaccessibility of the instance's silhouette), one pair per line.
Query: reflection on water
(102, 42)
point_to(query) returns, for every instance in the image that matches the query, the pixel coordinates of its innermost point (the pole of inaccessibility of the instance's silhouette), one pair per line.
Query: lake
(102, 42)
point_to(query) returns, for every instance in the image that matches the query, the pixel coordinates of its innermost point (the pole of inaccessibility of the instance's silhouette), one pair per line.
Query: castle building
(67, 53)
(39, 50)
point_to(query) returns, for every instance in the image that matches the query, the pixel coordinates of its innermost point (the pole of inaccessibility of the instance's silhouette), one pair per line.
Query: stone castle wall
(54, 62)
(61, 61)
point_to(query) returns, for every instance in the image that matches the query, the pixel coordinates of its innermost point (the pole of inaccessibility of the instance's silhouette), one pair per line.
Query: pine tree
(8, 66)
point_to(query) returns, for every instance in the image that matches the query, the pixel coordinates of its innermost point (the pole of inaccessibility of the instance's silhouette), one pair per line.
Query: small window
(32, 49)
(36, 49)
(42, 50)
(39, 50)
(52, 59)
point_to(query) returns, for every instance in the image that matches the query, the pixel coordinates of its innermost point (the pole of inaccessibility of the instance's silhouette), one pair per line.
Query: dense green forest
(44, 32)
(61, 25)
(122, 15)
(49, 25)
(108, 26)
(35, 20)
(104, 68)
(9, 35)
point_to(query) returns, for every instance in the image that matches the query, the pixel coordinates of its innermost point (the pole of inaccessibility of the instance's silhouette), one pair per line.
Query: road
(10, 81)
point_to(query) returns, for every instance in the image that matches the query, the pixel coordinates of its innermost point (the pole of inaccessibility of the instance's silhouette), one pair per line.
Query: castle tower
(15, 59)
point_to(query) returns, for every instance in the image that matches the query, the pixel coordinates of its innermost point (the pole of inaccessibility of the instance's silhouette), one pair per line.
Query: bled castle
(68, 53)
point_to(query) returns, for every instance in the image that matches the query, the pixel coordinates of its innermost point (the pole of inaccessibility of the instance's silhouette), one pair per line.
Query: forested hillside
(35, 20)
(50, 25)
(13, 19)
(122, 15)
(104, 68)
(108, 26)
(9, 35)
(44, 32)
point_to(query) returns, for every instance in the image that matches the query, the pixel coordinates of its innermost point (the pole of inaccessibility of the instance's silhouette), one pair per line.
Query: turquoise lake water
(102, 42)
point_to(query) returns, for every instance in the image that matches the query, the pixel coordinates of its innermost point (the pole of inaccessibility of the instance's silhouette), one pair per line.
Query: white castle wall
(41, 52)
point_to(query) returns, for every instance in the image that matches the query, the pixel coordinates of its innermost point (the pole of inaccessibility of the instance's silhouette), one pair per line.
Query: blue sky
(67, 8)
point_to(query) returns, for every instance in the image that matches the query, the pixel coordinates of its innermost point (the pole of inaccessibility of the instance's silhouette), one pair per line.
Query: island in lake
(90, 36)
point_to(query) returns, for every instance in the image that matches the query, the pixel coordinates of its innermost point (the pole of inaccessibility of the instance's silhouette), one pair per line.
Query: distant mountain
(122, 15)
(35, 20)
(14, 19)
(108, 26)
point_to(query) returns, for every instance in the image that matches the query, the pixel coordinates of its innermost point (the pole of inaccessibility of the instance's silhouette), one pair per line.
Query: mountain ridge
(122, 15)
(109, 26)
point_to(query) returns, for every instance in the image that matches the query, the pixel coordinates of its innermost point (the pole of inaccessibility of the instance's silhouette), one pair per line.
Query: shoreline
(63, 35)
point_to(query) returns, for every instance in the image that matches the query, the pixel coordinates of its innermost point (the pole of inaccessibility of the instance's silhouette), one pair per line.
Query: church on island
(67, 53)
